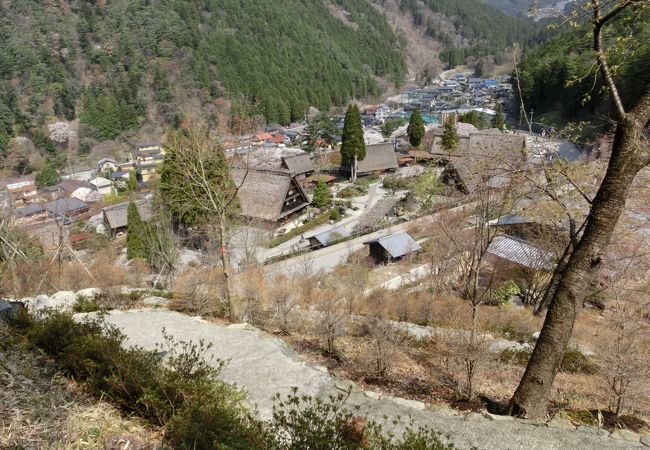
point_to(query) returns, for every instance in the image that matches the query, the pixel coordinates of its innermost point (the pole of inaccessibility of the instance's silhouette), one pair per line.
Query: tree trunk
(225, 265)
(534, 391)
(354, 169)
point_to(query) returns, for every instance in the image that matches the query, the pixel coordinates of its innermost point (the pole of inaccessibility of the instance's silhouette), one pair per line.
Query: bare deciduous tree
(630, 153)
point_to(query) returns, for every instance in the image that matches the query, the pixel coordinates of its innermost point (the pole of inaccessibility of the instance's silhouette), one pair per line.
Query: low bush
(350, 192)
(573, 361)
(397, 183)
(176, 388)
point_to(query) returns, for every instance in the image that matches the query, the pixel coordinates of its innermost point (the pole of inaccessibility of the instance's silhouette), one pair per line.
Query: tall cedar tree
(415, 129)
(197, 186)
(136, 246)
(353, 148)
(630, 154)
(449, 136)
(499, 120)
(322, 195)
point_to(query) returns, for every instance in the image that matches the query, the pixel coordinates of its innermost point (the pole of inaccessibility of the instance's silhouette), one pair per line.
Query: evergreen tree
(449, 136)
(133, 181)
(48, 176)
(415, 129)
(499, 121)
(135, 233)
(322, 195)
(353, 147)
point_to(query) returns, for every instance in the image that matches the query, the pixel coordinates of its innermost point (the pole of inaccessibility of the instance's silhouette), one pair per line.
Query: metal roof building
(392, 247)
(323, 239)
(522, 253)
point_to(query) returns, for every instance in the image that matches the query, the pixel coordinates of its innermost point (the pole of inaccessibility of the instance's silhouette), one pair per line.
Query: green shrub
(572, 362)
(302, 422)
(85, 304)
(335, 215)
(181, 393)
(576, 362)
(396, 183)
(502, 294)
(351, 191)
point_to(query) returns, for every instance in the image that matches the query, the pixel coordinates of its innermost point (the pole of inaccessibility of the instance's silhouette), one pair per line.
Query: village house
(261, 137)
(147, 158)
(116, 216)
(268, 195)
(69, 209)
(103, 186)
(299, 165)
(26, 215)
(380, 158)
(21, 190)
(392, 248)
(105, 165)
(70, 188)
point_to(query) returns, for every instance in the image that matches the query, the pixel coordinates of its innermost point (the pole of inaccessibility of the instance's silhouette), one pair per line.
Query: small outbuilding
(326, 237)
(392, 247)
(116, 216)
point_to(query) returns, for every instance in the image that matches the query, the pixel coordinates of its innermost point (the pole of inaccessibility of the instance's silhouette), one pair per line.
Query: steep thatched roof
(490, 160)
(379, 157)
(262, 192)
(116, 216)
(298, 164)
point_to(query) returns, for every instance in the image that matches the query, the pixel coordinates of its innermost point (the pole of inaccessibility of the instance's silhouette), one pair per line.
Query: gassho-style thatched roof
(116, 216)
(262, 192)
(298, 164)
(379, 157)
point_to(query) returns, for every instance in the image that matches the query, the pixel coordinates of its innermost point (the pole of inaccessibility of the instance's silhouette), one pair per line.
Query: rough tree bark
(630, 153)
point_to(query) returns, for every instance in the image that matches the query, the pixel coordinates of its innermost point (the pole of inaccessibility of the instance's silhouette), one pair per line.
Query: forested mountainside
(120, 65)
(559, 77)
(519, 7)
(286, 54)
(469, 28)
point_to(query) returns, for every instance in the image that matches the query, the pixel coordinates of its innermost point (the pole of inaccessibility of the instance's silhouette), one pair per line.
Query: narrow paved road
(327, 258)
(263, 366)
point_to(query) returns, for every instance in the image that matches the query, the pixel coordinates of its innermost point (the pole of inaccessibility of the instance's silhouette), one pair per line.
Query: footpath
(263, 365)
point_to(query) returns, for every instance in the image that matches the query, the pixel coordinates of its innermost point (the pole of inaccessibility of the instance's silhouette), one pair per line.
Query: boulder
(10, 310)
(645, 440)
(63, 300)
(499, 345)
(89, 292)
(625, 435)
(560, 423)
(156, 302)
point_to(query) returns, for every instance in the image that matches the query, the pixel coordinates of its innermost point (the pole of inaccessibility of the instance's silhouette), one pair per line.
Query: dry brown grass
(41, 409)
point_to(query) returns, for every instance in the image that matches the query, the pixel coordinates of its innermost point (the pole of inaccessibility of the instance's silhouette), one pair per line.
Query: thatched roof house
(116, 216)
(299, 164)
(268, 194)
(491, 159)
(379, 158)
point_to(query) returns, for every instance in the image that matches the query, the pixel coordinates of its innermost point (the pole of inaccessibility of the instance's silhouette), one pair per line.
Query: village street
(327, 258)
(364, 204)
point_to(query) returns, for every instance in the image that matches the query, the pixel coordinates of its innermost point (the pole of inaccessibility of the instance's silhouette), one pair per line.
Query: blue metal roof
(397, 245)
(327, 236)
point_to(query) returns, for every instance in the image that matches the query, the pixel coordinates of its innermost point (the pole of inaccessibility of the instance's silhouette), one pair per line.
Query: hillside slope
(558, 78)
